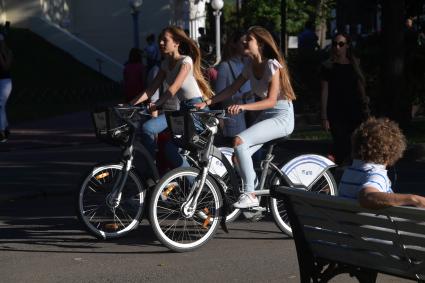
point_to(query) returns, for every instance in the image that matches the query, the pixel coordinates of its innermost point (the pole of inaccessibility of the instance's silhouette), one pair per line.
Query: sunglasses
(339, 43)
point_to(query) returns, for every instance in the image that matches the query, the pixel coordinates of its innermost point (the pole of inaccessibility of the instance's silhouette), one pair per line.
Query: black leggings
(341, 132)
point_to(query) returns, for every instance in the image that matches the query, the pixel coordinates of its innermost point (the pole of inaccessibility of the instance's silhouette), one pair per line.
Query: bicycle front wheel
(177, 226)
(95, 209)
(325, 185)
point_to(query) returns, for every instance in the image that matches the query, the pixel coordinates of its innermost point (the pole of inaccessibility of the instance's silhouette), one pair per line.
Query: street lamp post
(135, 9)
(217, 5)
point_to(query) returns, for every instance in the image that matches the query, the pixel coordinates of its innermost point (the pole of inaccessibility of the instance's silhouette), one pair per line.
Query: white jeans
(273, 123)
(5, 90)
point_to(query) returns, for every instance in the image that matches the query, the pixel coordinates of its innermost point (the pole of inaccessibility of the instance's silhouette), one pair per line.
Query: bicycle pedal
(253, 216)
(257, 208)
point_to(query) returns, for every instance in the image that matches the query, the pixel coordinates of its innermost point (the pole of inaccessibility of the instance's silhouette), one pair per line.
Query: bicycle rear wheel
(177, 228)
(325, 185)
(99, 216)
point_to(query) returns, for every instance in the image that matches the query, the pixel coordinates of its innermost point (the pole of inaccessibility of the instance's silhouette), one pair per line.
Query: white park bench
(335, 235)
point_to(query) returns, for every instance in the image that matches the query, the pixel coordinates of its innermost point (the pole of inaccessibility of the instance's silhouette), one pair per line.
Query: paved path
(50, 156)
(42, 241)
(68, 130)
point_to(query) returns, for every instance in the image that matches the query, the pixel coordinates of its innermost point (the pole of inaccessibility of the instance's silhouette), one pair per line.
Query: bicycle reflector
(102, 176)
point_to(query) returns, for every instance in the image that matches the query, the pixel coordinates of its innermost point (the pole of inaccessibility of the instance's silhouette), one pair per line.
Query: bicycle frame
(127, 155)
(267, 164)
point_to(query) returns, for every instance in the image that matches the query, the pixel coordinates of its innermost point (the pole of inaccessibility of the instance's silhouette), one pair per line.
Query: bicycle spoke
(168, 215)
(171, 224)
(101, 220)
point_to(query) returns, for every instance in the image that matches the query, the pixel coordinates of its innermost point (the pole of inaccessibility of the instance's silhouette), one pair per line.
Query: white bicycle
(188, 204)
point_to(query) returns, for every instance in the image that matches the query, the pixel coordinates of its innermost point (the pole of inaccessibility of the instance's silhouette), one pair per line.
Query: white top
(361, 174)
(260, 86)
(172, 103)
(189, 88)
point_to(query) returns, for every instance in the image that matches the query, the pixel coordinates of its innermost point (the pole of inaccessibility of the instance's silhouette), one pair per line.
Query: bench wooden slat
(390, 240)
(386, 248)
(363, 232)
(413, 226)
(351, 205)
(413, 240)
(372, 260)
(343, 216)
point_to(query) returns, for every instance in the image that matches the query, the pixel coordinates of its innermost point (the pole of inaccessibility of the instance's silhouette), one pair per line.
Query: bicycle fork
(189, 207)
(114, 198)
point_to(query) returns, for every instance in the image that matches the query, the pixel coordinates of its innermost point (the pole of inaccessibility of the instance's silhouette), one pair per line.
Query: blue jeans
(5, 90)
(149, 131)
(273, 123)
(158, 124)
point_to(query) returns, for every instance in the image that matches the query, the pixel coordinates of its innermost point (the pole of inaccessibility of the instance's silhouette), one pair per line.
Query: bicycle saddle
(276, 141)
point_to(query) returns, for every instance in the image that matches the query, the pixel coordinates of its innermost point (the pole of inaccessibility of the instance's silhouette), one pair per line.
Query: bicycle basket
(109, 127)
(189, 127)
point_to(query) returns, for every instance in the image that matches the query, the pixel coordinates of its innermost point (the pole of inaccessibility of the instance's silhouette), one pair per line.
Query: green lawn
(414, 134)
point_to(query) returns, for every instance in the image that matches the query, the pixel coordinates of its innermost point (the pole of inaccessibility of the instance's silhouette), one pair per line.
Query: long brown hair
(188, 46)
(271, 51)
(354, 61)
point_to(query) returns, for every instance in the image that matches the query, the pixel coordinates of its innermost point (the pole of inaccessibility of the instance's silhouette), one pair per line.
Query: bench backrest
(390, 240)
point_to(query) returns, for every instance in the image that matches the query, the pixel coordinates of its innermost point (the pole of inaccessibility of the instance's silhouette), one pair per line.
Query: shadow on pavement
(50, 225)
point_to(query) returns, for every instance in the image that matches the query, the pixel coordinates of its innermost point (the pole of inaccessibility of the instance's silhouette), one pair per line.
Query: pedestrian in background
(153, 56)
(228, 70)
(6, 58)
(343, 98)
(134, 75)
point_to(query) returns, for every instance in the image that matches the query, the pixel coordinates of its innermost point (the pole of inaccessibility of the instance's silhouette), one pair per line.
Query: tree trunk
(283, 35)
(394, 98)
(321, 23)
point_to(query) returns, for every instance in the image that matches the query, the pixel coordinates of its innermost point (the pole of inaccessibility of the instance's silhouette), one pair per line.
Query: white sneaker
(246, 200)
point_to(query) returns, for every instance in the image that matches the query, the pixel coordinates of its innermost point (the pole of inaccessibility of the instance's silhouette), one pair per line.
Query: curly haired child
(376, 144)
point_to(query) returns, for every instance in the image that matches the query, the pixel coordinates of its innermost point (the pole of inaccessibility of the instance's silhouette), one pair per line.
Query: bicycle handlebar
(127, 112)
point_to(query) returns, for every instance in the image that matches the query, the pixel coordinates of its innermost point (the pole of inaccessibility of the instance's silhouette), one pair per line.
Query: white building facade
(99, 33)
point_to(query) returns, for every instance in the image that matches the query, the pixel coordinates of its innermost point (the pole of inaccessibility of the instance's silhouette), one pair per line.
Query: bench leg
(365, 275)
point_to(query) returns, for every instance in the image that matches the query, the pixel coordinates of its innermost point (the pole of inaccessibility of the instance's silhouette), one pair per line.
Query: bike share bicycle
(187, 204)
(111, 199)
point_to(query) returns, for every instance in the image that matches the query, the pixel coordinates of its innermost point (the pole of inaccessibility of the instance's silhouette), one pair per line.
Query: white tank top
(189, 88)
(260, 87)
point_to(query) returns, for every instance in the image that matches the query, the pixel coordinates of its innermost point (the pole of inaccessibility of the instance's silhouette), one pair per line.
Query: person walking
(134, 75)
(181, 71)
(344, 104)
(153, 56)
(228, 71)
(269, 77)
(6, 58)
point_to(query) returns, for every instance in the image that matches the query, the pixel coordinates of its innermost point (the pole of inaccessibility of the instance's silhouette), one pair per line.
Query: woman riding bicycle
(268, 74)
(181, 71)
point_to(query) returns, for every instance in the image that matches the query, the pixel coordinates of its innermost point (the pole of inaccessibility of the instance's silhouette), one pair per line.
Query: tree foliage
(267, 13)
(264, 13)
